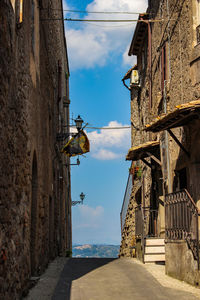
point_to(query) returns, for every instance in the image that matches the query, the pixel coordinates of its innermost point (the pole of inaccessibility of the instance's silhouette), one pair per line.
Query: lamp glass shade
(82, 196)
(79, 122)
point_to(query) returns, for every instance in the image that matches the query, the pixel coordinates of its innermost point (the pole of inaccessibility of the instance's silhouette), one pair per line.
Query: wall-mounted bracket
(154, 158)
(146, 162)
(178, 142)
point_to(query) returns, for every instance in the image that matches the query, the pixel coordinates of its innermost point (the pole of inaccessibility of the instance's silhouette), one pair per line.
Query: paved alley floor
(109, 279)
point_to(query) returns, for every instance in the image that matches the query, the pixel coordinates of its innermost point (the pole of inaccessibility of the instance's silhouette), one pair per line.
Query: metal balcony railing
(181, 220)
(126, 201)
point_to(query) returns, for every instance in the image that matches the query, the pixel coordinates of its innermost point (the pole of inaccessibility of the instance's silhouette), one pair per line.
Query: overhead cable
(122, 127)
(97, 12)
(113, 20)
(103, 12)
(102, 20)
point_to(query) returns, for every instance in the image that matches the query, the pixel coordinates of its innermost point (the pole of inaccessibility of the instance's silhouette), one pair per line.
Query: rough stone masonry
(35, 209)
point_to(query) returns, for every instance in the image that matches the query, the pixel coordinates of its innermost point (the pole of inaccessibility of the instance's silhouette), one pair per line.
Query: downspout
(123, 80)
(150, 63)
(165, 105)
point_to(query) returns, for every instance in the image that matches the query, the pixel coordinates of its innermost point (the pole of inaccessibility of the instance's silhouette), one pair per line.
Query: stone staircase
(154, 250)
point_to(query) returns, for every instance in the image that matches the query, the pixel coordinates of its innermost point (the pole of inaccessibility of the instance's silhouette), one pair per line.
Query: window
(198, 21)
(33, 25)
(198, 12)
(19, 10)
(13, 4)
(180, 179)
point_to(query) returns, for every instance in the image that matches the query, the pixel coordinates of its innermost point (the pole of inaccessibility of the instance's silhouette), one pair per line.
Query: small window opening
(180, 180)
(33, 26)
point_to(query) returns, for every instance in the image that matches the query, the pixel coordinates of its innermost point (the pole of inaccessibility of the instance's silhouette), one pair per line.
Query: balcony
(181, 220)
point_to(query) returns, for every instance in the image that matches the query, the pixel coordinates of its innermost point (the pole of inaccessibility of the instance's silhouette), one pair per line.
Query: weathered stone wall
(178, 32)
(174, 31)
(35, 211)
(128, 239)
(180, 262)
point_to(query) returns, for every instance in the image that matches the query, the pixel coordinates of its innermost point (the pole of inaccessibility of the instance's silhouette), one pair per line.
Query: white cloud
(92, 44)
(89, 217)
(129, 60)
(65, 5)
(104, 154)
(108, 144)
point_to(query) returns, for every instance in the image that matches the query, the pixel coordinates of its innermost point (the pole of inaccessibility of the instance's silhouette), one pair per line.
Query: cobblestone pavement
(109, 279)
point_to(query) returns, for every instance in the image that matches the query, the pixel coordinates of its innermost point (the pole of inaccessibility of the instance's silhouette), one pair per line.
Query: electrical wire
(104, 12)
(102, 20)
(105, 128)
(108, 26)
(97, 12)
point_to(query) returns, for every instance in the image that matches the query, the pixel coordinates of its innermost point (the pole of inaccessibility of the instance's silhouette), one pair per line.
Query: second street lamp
(79, 123)
(82, 196)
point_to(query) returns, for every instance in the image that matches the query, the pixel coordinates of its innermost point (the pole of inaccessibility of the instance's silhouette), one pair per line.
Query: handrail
(181, 220)
(126, 201)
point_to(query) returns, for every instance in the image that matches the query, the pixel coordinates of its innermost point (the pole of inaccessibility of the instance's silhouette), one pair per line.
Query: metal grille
(181, 218)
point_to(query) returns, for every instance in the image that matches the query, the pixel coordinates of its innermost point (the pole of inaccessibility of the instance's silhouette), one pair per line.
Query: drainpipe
(150, 63)
(165, 104)
(124, 83)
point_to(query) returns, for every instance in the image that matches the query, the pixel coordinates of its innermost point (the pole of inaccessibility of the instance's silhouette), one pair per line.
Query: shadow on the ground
(74, 269)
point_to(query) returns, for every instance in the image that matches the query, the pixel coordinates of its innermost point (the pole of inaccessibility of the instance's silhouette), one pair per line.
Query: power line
(108, 26)
(103, 12)
(122, 127)
(88, 20)
(97, 12)
(103, 20)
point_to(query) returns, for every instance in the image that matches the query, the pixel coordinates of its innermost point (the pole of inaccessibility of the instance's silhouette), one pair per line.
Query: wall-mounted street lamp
(79, 123)
(62, 136)
(82, 196)
(77, 163)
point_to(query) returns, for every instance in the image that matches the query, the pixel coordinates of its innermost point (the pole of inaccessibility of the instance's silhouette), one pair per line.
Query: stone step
(154, 249)
(154, 257)
(155, 242)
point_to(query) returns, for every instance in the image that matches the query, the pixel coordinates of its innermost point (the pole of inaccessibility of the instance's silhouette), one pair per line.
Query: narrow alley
(108, 279)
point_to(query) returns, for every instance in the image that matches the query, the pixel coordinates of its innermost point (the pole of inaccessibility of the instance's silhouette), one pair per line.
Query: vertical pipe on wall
(150, 64)
(165, 102)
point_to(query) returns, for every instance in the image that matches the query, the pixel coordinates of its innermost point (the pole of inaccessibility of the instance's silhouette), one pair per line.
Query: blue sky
(98, 61)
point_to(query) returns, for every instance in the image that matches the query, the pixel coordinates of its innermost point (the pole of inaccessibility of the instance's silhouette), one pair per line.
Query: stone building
(35, 201)
(165, 110)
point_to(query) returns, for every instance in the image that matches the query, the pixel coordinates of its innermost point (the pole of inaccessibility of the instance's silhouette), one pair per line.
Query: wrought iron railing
(146, 221)
(181, 220)
(126, 200)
